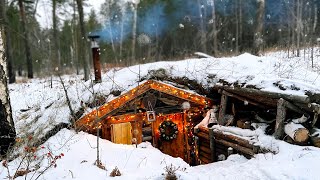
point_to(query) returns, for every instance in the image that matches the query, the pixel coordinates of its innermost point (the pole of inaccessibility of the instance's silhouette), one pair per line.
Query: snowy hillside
(38, 107)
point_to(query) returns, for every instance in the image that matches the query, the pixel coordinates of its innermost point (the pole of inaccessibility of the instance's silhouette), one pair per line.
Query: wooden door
(121, 133)
(176, 147)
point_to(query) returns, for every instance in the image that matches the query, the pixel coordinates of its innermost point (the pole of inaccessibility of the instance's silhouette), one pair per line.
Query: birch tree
(7, 130)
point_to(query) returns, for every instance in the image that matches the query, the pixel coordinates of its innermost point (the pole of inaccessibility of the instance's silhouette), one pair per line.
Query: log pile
(213, 144)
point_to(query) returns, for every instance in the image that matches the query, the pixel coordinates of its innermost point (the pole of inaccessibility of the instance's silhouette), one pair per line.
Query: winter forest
(159, 89)
(149, 31)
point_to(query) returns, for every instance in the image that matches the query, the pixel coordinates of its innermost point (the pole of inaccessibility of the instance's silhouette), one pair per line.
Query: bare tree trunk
(4, 23)
(214, 30)
(83, 44)
(7, 130)
(134, 31)
(202, 29)
(26, 38)
(258, 33)
(298, 25)
(74, 39)
(55, 61)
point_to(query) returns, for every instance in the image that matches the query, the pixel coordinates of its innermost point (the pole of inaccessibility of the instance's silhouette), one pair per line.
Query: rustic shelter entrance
(158, 112)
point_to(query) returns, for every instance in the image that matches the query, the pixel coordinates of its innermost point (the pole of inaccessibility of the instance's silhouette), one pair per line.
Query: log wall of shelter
(211, 144)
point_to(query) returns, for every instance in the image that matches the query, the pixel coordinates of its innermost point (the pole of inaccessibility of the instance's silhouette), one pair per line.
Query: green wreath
(168, 130)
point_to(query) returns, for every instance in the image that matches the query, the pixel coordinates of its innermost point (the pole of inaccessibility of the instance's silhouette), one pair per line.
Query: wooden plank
(121, 133)
(280, 118)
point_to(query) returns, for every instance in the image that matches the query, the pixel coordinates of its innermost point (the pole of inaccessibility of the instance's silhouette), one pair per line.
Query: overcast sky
(44, 11)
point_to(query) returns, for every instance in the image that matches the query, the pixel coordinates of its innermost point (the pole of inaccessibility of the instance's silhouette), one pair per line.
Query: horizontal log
(297, 132)
(267, 94)
(204, 160)
(293, 107)
(203, 135)
(147, 138)
(237, 147)
(147, 130)
(206, 145)
(207, 156)
(204, 130)
(243, 99)
(205, 149)
(234, 139)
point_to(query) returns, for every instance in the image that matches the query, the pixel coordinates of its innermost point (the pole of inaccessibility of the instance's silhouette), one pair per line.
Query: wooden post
(222, 109)
(315, 119)
(230, 151)
(212, 145)
(280, 118)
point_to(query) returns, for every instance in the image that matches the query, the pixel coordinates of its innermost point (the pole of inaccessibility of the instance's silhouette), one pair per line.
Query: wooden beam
(222, 109)
(242, 99)
(280, 118)
(212, 145)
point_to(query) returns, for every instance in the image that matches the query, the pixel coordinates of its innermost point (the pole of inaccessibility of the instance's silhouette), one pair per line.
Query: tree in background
(83, 42)
(258, 33)
(26, 38)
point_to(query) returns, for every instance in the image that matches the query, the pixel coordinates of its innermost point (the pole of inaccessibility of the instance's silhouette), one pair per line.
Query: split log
(297, 132)
(280, 118)
(237, 147)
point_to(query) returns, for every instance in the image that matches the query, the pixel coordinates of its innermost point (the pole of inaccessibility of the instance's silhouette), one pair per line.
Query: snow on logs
(297, 132)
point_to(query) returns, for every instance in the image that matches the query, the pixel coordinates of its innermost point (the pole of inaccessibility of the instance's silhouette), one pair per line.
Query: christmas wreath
(168, 130)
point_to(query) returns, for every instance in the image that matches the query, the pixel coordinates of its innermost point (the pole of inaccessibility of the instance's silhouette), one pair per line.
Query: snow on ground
(37, 107)
(79, 155)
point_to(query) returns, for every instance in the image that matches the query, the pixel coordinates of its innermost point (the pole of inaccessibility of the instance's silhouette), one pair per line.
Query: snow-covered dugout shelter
(252, 102)
(154, 111)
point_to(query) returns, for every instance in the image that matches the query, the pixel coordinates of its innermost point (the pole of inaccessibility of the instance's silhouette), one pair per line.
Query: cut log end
(301, 135)
(297, 132)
